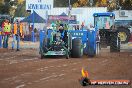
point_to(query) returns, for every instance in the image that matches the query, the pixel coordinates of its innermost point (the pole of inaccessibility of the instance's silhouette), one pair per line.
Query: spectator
(7, 31)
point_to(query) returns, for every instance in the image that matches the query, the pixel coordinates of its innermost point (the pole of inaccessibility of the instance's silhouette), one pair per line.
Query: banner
(63, 19)
(39, 4)
(57, 17)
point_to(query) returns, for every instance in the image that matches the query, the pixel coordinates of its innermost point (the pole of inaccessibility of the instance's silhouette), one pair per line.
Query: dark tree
(127, 5)
(4, 8)
(63, 3)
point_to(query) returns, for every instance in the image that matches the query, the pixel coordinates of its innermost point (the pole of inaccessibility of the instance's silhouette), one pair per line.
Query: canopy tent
(63, 14)
(34, 18)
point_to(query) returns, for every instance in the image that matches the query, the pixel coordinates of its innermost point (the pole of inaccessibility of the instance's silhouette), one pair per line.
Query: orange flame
(84, 73)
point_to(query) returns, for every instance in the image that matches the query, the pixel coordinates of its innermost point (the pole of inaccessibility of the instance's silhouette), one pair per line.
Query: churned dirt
(25, 69)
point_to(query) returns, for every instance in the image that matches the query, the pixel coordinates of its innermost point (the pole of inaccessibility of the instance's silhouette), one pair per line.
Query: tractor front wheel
(67, 56)
(41, 56)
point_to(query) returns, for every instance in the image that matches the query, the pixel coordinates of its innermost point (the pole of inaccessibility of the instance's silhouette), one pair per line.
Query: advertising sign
(39, 4)
(72, 19)
(56, 17)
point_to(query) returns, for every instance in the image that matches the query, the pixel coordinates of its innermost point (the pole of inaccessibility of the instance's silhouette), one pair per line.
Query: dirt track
(24, 69)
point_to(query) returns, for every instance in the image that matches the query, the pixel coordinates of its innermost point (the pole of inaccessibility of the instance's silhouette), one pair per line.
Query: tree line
(20, 5)
(111, 4)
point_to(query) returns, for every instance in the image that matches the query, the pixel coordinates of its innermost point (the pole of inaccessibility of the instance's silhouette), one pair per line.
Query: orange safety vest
(15, 28)
(21, 28)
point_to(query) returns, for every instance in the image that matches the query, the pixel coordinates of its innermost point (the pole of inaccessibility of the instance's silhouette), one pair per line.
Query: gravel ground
(25, 69)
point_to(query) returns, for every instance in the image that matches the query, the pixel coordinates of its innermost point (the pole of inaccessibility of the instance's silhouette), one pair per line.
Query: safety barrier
(91, 42)
(27, 38)
(42, 34)
(30, 38)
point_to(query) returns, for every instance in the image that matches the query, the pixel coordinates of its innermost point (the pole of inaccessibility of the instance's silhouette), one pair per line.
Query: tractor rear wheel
(124, 34)
(114, 42)
(76, 48)
(104, 38)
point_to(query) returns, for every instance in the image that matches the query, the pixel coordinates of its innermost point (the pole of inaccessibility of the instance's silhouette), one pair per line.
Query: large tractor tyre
(103, 38)
(108, 38)
(97, 48)
(45, 46)
(114, 42)
(124, 34)
(103, 42)
(119, 45)
(41, 53)
(76, 48)
(91, 50)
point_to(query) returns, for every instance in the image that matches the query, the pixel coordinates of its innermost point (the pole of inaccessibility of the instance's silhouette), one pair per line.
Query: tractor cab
(104, 20)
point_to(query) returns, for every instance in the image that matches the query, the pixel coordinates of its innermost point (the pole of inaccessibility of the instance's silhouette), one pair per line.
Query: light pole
(69, 11)
(33, 34)
(69, 15)
(91, 2)
(69, 3)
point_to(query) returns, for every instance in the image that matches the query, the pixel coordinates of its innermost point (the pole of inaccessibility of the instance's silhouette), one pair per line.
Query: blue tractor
(107, 31)
(68, 43)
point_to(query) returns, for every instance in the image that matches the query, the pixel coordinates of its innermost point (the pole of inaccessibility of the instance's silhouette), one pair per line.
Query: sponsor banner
(64, 19)
(56, 17)
(39, 4)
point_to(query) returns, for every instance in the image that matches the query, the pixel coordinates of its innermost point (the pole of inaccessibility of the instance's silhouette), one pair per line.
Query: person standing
(14, 34)
(0, 37)
(18, 36)
(7, 31)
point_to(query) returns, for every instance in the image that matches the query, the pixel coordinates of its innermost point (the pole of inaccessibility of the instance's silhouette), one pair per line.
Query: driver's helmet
(53, 24)
(61, 25)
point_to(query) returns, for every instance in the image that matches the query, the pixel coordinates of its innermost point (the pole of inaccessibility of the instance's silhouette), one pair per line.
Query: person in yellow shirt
(7, 31)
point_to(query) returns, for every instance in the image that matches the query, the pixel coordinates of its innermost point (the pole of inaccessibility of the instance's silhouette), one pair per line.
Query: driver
(61, 30)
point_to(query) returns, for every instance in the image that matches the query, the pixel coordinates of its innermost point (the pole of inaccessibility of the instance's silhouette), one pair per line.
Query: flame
(84, 73)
